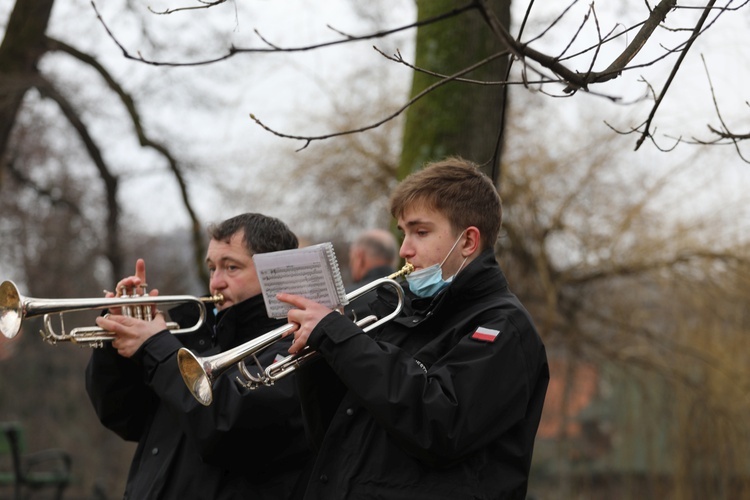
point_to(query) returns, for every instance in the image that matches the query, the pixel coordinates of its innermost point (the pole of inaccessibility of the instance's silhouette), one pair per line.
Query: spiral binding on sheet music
(338, 280)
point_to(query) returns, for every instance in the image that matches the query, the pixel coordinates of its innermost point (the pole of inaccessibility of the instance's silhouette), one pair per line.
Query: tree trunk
(20, 51)
(457, 119)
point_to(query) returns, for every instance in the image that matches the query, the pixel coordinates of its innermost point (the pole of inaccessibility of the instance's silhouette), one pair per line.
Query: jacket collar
(480, 277)
(243, 321)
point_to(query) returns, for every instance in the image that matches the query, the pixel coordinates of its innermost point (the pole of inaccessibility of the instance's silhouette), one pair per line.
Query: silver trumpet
(199, 373)
(14, 308)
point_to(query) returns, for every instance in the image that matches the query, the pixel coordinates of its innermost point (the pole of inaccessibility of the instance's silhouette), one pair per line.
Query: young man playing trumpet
(445, 400)
(249, 444)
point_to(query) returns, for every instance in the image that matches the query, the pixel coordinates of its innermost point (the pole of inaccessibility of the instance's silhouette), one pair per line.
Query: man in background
(372, 255)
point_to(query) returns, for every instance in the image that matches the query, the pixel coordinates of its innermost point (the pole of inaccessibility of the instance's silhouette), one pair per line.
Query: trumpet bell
(11, 309)
(197, 377)
(199, 373)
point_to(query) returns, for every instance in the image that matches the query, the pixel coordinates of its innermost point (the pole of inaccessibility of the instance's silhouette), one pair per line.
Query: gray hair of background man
(379, 244)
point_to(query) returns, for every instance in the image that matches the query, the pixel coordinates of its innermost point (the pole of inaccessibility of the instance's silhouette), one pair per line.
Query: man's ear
(473, 242)
(357, 262)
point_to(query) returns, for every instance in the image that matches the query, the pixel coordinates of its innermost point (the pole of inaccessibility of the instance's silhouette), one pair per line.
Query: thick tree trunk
(24, 44)
(20, 51)
(458, 118)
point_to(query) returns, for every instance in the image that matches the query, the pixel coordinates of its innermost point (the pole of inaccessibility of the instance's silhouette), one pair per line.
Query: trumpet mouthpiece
(406, 269)
(217, 298)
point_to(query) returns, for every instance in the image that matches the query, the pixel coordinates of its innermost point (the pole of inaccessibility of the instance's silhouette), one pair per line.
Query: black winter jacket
(429, 408)
(246, 445)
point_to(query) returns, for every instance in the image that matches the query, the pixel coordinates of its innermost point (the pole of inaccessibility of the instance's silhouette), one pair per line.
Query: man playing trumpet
(445, 400)
(250, 444)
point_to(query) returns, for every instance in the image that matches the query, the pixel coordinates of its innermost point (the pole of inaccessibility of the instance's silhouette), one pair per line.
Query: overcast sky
(203, 112)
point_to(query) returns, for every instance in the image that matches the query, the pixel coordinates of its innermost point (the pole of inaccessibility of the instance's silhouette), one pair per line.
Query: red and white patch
(485, 334)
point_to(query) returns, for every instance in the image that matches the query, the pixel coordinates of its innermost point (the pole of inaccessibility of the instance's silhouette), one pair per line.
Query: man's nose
(217, 281)
(405, 251)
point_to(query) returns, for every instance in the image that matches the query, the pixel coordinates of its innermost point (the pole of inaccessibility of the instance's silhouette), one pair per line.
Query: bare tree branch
(272, 48)
(580, 80)
(675, 68)
(205, 5)
(572, 79)
(309, 139)
(146, 141)
(50, 194)
(398, 58)
(725, 136)
(114, 249)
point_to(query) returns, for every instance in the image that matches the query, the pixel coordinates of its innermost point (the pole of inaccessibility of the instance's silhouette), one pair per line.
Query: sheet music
(311, 272)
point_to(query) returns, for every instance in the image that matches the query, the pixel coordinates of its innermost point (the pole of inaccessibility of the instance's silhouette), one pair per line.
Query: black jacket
(247, 444)
(426, 410)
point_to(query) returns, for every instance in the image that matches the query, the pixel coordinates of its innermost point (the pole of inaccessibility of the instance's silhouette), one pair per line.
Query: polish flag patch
(485, 334)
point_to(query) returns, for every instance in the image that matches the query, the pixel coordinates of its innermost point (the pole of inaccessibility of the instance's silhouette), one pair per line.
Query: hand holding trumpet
(130, 332)
(306, 316)
(200, 372)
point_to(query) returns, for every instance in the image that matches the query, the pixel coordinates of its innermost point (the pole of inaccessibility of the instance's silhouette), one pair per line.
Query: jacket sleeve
(121, 399)
(241, 428)
(471, 395)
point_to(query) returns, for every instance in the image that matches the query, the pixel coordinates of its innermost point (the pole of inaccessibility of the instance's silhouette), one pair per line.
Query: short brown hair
(459, 190)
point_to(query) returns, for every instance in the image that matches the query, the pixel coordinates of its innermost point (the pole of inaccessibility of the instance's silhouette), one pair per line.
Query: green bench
(24, 472)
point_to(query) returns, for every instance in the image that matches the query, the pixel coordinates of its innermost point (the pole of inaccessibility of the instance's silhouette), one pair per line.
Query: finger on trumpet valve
(145, 311)
(121, 291)
(139, 311)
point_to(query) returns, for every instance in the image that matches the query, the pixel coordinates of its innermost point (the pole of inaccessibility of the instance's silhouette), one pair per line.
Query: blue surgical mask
(428, 281)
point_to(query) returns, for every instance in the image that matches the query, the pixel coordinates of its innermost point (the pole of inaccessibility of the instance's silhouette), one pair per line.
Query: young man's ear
(473, 242)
